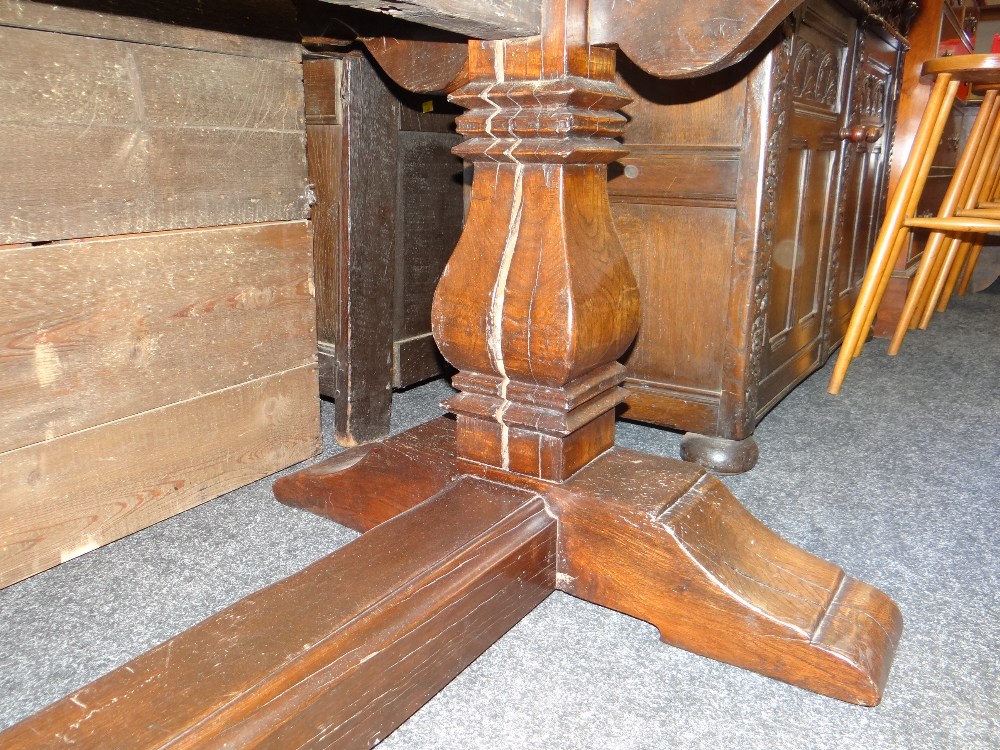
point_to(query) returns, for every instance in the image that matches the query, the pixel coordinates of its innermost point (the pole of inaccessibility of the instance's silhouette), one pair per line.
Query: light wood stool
(970, 208)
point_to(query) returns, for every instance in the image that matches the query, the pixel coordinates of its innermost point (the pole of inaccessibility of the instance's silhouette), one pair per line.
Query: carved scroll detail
(774, 160)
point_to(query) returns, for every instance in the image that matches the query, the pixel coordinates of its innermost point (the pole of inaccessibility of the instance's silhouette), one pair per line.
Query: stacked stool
(969, 211)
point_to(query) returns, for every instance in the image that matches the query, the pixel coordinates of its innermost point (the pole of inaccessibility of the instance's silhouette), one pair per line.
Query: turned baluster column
(538, 300)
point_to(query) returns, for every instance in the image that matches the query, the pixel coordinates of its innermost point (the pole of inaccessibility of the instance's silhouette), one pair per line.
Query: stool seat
(981, 70)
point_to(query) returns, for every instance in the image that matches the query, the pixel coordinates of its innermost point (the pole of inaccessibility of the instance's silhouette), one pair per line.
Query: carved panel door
(865, 153)
(805, 228)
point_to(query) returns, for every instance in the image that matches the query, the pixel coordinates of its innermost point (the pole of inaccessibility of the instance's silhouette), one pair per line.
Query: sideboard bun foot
(720, 455)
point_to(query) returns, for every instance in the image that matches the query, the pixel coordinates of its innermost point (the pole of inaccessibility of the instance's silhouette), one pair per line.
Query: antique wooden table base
(471, 522)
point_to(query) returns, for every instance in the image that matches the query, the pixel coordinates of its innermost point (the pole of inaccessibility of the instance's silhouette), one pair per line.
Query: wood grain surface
(324, 143)
(250, 28)
(332, 656)
(99, 330)
(64, 497)
(104, 138)
(369, 148)
(483, 19)
(658, 539)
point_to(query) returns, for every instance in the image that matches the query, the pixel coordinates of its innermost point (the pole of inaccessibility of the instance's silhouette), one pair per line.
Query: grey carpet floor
(897, 480)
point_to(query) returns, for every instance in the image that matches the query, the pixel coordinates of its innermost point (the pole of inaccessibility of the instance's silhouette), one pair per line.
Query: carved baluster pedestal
(534, 307)
(472, 522)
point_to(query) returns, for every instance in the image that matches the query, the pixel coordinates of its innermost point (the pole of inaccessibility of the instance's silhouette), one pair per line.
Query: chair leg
(882, 260)
(970, 265)
(949, 257)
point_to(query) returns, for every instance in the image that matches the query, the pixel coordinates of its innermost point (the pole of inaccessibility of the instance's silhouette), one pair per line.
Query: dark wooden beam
(337, 655)
(480, 19)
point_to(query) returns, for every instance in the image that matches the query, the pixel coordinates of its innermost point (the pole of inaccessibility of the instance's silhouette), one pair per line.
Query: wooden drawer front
(699, 177)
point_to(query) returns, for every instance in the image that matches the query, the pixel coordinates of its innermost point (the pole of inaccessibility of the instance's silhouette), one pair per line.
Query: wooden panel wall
(677, 208)
(104, 137)
(157, 322)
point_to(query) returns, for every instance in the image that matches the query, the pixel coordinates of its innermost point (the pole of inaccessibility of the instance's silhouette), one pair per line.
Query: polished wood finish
(424, 455)
(974, 69)
(959, 211)
(388, 211)
(891, 239)
(663, 541)
(758, 191)
(538, 299)
(523, 492)
(425, 66)
(673, 39)
(956, 217)
(938, 30)
(332, 656)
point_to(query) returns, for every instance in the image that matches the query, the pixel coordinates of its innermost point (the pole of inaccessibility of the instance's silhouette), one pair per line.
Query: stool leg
(986, 161)
(886, 248)
(903, 235)
(949, 257)
(962, 256)
(966, 168)
(970, 266)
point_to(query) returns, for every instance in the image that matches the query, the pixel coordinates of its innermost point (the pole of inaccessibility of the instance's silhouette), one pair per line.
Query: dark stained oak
(679, 38)
(424, 66)
(337, 655)
(745, 189)
(361, 488)
(719, 454)
(388, 211)
(663, 541)
(658, 539)
(481, 19)
(473, 521)
(367, 235)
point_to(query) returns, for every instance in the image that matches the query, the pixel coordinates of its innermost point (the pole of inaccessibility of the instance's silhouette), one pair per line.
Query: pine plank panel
(103, 329)
(106, 138)
(64, 497)
(250, 28)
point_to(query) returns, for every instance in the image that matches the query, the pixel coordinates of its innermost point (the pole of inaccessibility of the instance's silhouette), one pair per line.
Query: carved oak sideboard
(757, 191)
